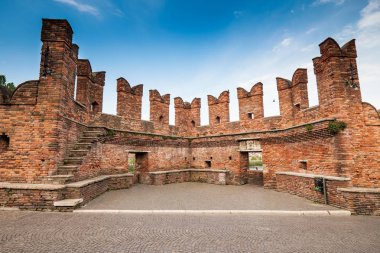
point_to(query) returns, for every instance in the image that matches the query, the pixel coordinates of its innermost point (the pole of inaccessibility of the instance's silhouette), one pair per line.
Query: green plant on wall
(336, 126)
(9, 86)
(309, 127)
(131, 163)
(111, 132)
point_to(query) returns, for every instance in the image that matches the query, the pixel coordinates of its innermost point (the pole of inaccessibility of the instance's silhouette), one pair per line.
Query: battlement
(84, 68)
(336, 70)
(159, 107)
(224, 97)
(56, 30)
(256, 90)
(187, 115)
(129, 99)
(124, 86)
(219, 109)
(330, 48)
(179, 103)
(251, 103)
(154, 95)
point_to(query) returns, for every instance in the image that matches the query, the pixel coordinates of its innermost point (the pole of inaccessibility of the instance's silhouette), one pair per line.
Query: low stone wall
(38, 197)
(186, 175)
(365, 201)
(303, 185)
(91, 188)
(41, 197)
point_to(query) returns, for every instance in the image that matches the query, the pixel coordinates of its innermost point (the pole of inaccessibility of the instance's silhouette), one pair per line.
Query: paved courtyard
(83, 232)
(198, 196)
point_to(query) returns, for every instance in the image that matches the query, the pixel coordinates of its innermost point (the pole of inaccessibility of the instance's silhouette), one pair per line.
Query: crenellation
(299, 87)
(219, 108)
(285, 96)
(56, 30)
(187, 115)
(251, 105)
(159, 108)
(129, 99)
(97, 88)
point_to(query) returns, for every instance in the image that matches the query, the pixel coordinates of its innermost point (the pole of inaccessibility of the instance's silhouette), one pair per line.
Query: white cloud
(238, 14)
(311, 30)
(80, 6)
(367, 34)
(321, 2)
(286, 42)
(308, 48)
(370, 15)
(283, 44)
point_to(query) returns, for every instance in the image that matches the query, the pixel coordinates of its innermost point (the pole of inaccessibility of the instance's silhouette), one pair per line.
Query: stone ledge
(68, 202)
(28, 186)
(187, 170)
(86, 182)
(360, 190)
(297, 174)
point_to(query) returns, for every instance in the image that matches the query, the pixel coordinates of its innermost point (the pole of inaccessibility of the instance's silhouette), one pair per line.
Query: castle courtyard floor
(22, 231)
(199, 196)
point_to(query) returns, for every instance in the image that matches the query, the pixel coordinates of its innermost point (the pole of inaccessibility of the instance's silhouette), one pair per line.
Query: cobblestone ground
(198, 196)
(74, 232)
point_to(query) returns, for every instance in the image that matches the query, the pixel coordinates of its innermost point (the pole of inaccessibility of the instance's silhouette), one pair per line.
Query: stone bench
(187, 175)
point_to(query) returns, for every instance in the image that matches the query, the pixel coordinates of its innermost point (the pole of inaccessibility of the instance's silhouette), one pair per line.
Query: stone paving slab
(73, 232)
(199, 196)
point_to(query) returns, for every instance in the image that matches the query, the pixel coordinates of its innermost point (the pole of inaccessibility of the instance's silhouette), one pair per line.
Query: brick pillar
(58, 65)
(219, 108)
(251, 103)
(159, 107)
(284, 88)
(129, 100)
(97, 87)
(187, 115)
(84, 81)
(336, 70)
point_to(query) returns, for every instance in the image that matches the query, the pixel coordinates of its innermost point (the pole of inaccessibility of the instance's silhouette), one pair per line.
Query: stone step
(67, 169)
(87, 139)
(60, 179)
(77, 153)
(67, 204)
(82, 146)
(92, 133)
(73, 160)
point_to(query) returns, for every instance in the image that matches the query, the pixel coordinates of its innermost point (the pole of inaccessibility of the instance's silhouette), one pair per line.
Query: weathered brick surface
(219, 108)
(159, 108)
(255, 177)
(251, 104)
(27, 199)
(187, 115)
(129, 100)
(362, 203)
(305, 187)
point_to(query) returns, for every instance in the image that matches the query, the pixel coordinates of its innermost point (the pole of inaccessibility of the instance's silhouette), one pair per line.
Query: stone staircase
(74, 158)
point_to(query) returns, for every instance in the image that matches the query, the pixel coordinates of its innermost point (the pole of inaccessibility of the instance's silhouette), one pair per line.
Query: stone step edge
(252, 212)
(52, 187)
(93, 180)
(67, 202)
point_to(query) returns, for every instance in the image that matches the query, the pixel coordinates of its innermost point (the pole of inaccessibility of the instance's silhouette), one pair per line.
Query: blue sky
(195, 48)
